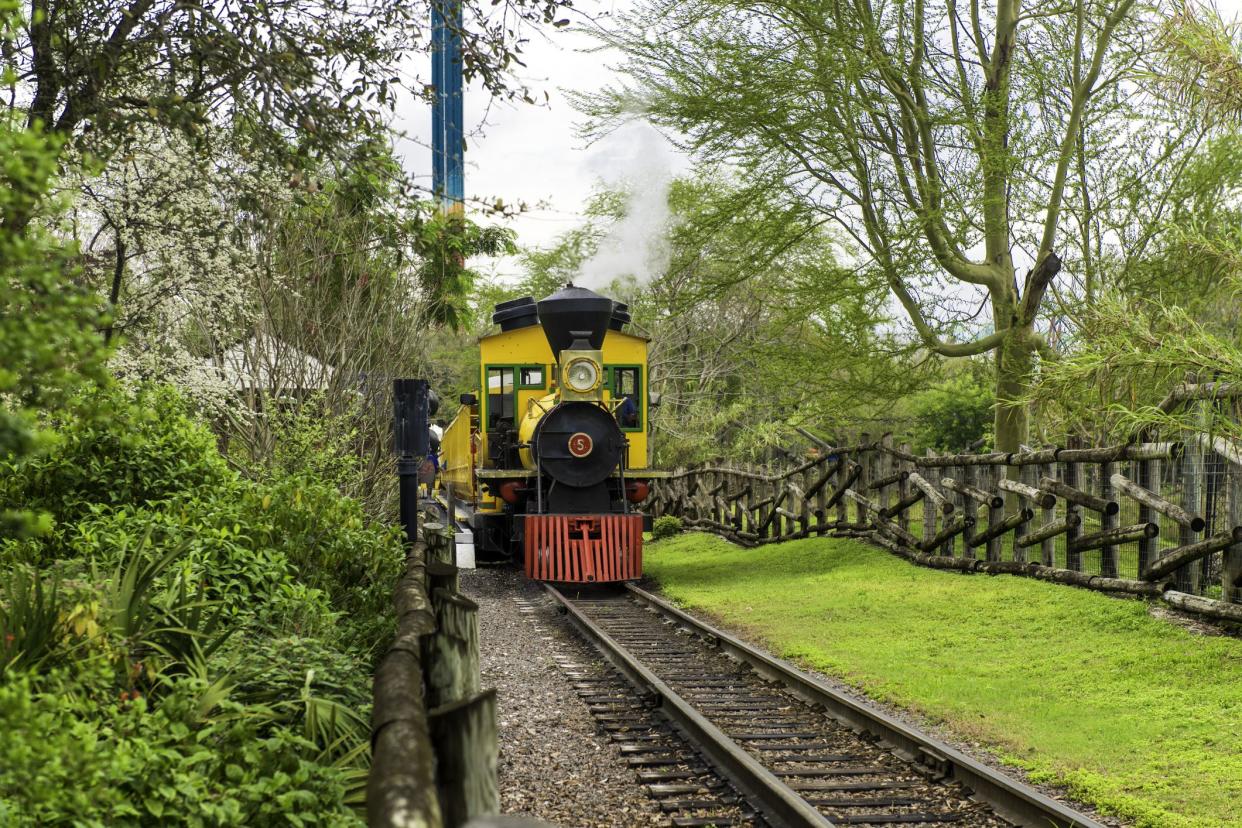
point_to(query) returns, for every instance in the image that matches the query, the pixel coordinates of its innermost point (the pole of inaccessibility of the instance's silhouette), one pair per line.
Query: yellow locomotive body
(549, 461)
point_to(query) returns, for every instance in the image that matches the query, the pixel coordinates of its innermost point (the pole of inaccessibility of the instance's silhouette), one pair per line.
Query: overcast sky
(531, 153)
(520, 152)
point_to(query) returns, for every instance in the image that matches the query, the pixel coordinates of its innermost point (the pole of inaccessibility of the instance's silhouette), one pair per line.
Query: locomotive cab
(549, 463)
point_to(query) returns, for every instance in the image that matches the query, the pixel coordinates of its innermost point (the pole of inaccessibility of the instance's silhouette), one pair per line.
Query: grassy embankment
(1135, 715)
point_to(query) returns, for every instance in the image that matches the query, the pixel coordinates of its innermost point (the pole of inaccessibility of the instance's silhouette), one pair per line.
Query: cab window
(531, 376)
(625, 384)
(500, 397)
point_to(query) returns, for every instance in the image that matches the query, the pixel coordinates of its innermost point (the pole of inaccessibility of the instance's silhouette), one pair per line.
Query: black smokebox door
(584, 424)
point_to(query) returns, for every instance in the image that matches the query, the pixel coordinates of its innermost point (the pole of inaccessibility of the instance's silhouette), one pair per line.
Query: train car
(548, 464)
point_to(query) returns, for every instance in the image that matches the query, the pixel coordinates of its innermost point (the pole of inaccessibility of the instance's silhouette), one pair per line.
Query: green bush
(665, 527)
(148, 449)
(154, 472)
(312, 440)
(74, 759)
(197, 642)
(218, 552)
(333, 547)
(50, 320)
(955, 415)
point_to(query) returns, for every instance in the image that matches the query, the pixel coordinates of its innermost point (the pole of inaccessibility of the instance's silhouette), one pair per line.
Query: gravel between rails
(554, 764)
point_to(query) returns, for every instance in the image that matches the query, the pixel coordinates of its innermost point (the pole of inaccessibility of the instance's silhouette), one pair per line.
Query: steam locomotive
(549, 463)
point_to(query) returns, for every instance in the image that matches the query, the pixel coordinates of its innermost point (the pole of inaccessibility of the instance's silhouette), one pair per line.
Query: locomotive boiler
(547, 464)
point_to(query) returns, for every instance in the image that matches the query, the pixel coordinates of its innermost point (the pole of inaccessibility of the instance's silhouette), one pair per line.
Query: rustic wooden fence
(1155, 519)
(433, 737)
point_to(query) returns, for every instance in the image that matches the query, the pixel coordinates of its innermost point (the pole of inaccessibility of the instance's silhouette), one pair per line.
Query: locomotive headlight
(582, 375)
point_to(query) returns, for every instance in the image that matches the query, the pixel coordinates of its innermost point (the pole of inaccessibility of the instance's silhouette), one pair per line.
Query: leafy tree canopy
(322, 73)
(50, 346)
(756, 327)
(966, 151)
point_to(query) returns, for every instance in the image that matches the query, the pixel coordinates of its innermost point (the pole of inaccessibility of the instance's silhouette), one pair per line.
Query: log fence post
(1047, 547)
(821, 509)
(866, 458)
(1108, 554)
(805, 510)
(765, 501)
(903, 489)
(843, 472)
(996, 516)
(970, 507)
(715, 481)
(930, 513)
(886, 468)
(1024, 477)
(1213, 465)
(1147, 473)
(1231, 563)
(1186, 578)
(1070, 477)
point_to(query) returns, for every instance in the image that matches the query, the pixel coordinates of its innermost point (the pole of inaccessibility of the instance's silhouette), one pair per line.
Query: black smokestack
(572, 314)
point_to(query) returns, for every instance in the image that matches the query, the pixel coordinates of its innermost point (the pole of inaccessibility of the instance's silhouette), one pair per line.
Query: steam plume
(638, 159)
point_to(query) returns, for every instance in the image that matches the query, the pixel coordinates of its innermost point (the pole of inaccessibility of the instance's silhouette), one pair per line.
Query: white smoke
(639, 160)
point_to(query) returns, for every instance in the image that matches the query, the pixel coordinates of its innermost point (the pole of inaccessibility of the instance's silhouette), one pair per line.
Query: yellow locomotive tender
(549, 463)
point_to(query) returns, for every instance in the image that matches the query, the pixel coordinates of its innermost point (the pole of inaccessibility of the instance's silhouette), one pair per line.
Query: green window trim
(536, 386)
(639, 388)
(609, 378)
(516, 368)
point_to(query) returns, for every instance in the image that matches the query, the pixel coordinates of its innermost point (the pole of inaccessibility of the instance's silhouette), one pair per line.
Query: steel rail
(1017, 802)
(779, 804)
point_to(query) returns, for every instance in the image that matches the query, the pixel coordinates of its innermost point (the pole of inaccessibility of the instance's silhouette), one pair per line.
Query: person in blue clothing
(430, 467)
(627, 414)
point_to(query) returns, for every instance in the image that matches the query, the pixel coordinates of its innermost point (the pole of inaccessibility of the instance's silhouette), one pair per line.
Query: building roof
(265, 363)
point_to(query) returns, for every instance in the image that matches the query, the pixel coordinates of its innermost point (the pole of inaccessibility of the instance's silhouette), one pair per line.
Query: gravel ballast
(554, 764)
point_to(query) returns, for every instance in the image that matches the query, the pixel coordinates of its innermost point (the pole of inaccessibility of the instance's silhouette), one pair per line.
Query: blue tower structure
(447, 115)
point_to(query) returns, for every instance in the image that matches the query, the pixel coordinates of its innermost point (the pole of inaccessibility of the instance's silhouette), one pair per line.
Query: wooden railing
(1155, 519)
(433, 737)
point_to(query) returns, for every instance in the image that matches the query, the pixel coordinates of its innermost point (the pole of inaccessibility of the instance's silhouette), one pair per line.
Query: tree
(1201, 60)
(49, 344)
(1128, 373)
(320, 73)
(755, 327)
(954, 416)
(950, 145)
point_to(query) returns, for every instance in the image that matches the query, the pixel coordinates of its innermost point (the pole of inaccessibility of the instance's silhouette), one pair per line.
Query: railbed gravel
(554, 763)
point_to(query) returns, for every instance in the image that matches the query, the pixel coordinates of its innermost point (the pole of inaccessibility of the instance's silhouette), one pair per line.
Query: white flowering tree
(160, 236)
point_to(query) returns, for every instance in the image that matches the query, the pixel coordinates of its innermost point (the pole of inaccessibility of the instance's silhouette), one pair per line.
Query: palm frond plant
(32, 621)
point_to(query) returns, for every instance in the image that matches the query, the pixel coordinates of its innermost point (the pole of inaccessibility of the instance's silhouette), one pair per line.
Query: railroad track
(793, 750)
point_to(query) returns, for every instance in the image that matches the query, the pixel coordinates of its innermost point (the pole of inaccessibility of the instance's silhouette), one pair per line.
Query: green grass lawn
(1135, 715)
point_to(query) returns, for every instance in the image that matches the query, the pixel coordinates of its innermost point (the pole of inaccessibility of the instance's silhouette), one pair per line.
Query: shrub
(217, 551)
(195, 643)
(665, 527)
(955, 415)
(331, 546)
(258, 548)
(154, 472)
(69, 759)
(149, 449)
(50, 345)
(313, 440)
